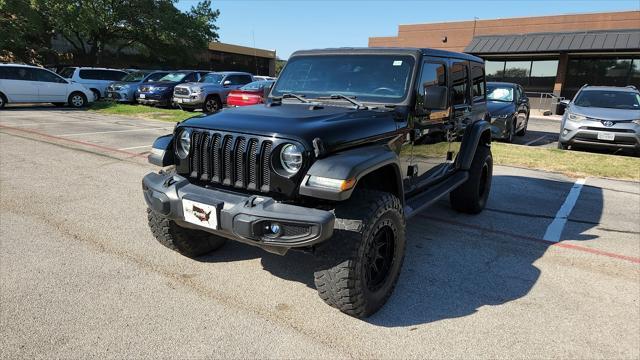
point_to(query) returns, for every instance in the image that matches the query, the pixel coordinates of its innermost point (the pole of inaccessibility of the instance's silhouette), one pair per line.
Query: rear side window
(102, 75)
(239, 79)
(16, 73)
(459, 83)
(478, 82)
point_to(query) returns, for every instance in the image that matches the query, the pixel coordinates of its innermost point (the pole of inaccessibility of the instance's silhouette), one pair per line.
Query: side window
(89, 74)
(190, 78)
(433, 74)
(112, 75)
(245, 79)
(459, 84)
(46, 76)
(478, 82)
(9, 73)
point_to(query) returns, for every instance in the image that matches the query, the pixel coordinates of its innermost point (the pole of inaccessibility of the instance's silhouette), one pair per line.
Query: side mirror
(435, 98)
(226, 83)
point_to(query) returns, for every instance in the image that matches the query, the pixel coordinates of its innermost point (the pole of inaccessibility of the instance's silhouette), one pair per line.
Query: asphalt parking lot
(550, 269)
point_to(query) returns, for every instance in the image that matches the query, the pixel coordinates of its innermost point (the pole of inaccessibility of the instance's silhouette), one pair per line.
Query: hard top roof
(389, 50)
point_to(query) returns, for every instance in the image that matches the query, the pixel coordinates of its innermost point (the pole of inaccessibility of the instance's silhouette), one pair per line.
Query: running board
(423, 200)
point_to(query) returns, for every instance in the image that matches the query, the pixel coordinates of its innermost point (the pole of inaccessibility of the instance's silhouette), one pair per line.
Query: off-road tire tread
(465, 198)
(338, 286)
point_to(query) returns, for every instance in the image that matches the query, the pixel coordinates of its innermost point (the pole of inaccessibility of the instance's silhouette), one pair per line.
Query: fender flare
(473, 135)
(161, 151)
(354, 163)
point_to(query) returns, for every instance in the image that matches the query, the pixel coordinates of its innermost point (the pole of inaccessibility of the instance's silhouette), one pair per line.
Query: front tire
(188, 242)
(77, 100)
(212, 104)
(364, 257)
(471, 197)
(523, 131)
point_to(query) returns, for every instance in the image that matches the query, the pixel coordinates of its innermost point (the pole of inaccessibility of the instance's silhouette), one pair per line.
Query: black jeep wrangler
(349, 144)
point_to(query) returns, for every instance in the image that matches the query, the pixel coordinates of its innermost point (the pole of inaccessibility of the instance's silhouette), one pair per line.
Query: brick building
(548, 54)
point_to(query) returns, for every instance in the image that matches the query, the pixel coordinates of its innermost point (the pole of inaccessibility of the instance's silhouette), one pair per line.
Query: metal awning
(619, 40)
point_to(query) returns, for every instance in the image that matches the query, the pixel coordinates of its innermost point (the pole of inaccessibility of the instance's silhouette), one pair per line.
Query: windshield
(374, 78)
(608, 99)
(174, 76)
(155, 76)
(135, 77)
(500, 93)
(67, 72)
(212, 78)
(257, 85)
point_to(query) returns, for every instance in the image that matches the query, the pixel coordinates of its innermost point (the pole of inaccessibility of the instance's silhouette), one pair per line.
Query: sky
(287, 26)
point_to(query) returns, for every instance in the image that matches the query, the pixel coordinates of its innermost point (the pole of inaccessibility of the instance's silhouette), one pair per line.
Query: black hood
(496, 108)
(337, 127)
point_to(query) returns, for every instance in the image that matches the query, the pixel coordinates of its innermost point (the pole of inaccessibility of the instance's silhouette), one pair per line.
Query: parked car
(249, 94)
(125, 90)
(32, 84)
(330, 166)
(160, 92)
(210, 93)
(264, 78)
(94, 79)
(509, 109)
(602, 117)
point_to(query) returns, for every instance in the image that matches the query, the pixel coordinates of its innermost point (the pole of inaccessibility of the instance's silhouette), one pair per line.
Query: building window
(532, 75)
(600, 71)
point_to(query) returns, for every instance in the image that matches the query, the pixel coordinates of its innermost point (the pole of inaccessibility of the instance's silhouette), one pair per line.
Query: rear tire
(77, 100)
(96, 94)
(188, 242)
(363, 259)
(471, 197)
(512, 132)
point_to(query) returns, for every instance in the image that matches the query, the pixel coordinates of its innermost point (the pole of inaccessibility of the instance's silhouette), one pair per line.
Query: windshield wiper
(358, 104)
(294, 96)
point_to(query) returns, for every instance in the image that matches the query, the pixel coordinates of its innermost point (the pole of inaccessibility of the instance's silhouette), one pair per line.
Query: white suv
(32, 84)
(94, 79)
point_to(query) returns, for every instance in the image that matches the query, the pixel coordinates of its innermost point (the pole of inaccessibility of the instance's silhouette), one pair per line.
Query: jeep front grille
(181, 91)
(232, 160)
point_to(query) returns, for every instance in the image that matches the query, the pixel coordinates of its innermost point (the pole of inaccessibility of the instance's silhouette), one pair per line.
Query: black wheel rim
(211, 105)
(380, 258)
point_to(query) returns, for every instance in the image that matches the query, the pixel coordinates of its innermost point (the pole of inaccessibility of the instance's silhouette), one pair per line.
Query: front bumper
(154, 100)
(119, 96)
(585, 133)
(191, 101)
(241, 217)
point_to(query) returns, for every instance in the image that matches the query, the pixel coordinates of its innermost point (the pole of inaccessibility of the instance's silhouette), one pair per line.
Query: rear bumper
(241, 217)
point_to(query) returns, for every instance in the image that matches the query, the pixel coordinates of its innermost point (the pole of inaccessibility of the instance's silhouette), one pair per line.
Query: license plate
(141, 96)
(179, 101)
(200, 214)
(606, 136)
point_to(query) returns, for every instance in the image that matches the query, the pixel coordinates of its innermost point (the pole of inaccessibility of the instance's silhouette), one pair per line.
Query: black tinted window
(113, 75)
(102, 75)
(433, 74)
(478, 81)
(238, 79)
(67, 72)
(46, 76)
(459, 83)
(190, 78)
(16, 73)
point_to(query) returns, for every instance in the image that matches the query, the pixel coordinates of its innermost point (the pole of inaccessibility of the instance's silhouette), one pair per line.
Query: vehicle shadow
(536, 138)
(455, 264)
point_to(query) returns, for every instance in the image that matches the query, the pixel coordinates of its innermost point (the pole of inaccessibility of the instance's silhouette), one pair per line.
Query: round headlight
(291, 158)
(184, 143)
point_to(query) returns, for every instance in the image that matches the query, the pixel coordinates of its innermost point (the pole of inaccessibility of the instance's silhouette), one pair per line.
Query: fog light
(565, 132)
(274, 229)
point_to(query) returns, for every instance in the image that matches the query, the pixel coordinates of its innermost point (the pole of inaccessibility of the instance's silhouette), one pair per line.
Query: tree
(98, 28)
(280, 65)
(25, 35)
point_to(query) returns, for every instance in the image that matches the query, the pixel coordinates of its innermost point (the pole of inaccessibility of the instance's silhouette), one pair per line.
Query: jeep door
(431, 128)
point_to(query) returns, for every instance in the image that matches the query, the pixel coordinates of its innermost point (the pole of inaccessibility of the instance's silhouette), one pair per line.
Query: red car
(249, 94)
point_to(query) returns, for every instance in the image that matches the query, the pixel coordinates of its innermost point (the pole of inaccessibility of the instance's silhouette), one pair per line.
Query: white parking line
(114, 131)
(535, 140)
(135, 147)
(554, 230)
(49, 123)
